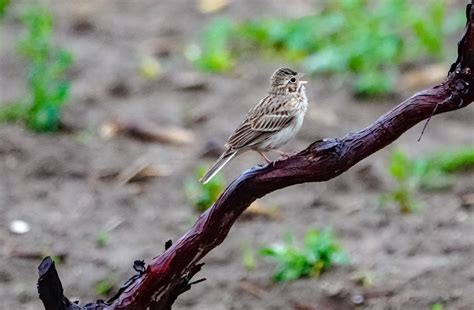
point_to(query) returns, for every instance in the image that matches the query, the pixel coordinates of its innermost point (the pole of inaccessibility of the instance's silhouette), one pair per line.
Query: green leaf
(45, 119)
(248, 257)
(101, 239)
(437, 306)
(455, 160)
(216, 54)
(202, 196)
(46, 66)
(399, 166)
(365, 39)
(12, 112)
(104, 286)
(330, 59)
(373, 83)
(319, 253)
(3, 7)
(267, 252)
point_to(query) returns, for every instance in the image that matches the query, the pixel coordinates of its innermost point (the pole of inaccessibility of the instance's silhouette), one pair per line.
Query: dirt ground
(56, 183)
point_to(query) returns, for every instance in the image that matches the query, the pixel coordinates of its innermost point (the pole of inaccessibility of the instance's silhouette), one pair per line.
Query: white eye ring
(292, 80)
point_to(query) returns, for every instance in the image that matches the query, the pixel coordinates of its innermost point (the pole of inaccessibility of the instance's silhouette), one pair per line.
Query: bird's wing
(262, 120)
(274, 116)
(273, 122)
(245, 137)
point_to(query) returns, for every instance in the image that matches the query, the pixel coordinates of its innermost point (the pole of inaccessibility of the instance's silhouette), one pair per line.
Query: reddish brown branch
(321, 161)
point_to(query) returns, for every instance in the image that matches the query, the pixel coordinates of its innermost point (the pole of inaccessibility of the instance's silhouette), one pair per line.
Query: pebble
(19, 227)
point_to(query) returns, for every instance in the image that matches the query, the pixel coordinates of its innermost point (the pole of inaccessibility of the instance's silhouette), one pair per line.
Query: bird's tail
(224, 159)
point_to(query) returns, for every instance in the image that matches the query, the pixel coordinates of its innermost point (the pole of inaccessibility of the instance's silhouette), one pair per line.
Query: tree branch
(157, 287)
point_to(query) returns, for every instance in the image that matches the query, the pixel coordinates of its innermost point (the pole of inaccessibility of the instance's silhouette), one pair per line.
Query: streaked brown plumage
(271, 123)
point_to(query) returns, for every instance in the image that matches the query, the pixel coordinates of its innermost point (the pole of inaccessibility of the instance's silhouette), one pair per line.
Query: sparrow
(271, 123)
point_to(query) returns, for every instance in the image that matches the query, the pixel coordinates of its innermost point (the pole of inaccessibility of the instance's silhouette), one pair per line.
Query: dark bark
(168, 274)
(51, 291)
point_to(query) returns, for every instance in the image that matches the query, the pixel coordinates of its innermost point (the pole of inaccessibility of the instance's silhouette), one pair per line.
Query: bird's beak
(300, 75)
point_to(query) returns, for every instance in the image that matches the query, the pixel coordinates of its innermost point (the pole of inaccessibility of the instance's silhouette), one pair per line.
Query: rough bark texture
(158, 285)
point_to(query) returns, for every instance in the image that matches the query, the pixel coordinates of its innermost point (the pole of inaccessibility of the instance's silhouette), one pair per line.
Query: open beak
(300, 75)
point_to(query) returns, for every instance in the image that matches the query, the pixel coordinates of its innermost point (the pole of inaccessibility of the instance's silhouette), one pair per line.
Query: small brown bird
(271, 123)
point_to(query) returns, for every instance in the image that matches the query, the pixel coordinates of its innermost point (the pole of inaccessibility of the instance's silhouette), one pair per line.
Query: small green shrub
(437, 306)
(364, 41)
(101, 239)
(202, 196)
(248, 257)
(403, 172)
(320, 252)
(46, 66)
(216, 54)
(450, 161)
(104, 286)
(433, 172)
(3, 7)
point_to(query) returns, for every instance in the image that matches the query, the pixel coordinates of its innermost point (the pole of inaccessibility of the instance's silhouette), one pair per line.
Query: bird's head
(286, 80)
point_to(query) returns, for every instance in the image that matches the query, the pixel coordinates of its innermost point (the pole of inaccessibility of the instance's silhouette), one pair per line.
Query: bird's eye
(292, 80)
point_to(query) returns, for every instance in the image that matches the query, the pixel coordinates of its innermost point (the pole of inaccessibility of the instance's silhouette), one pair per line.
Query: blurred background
(110, 110)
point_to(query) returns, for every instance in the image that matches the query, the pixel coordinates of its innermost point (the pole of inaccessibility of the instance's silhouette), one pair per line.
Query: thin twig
(427, 121)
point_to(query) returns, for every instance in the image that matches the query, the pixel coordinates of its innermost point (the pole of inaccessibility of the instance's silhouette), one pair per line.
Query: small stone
(333, 290)
(461, 217)
(5, 276)
(119, 89)
(19, 227)
(11, 162)
(389, 249)
(211, 6)
(357, 299)
(456, 293)
(190, 81)
(467, 201)
(149, 68)
(82, 26)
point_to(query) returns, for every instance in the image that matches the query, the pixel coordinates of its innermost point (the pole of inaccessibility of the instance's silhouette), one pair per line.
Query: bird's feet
(267, 160)
(284, 155)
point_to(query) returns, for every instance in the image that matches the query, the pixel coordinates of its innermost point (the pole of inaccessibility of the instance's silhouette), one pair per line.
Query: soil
(64, 186)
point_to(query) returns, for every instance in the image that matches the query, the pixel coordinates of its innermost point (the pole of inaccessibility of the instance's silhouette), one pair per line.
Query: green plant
(363, 278)
(435, 171)
(215, 54)
(149, 68)
(402, 170)
(437, 306)
(46, 68)
(202, 196)
(3, 7)
(451, 161)
(358, 39)
(56, 258)
(248, 257)
(104, 286)
(320, 252)
(432, 172)
(101, 239)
